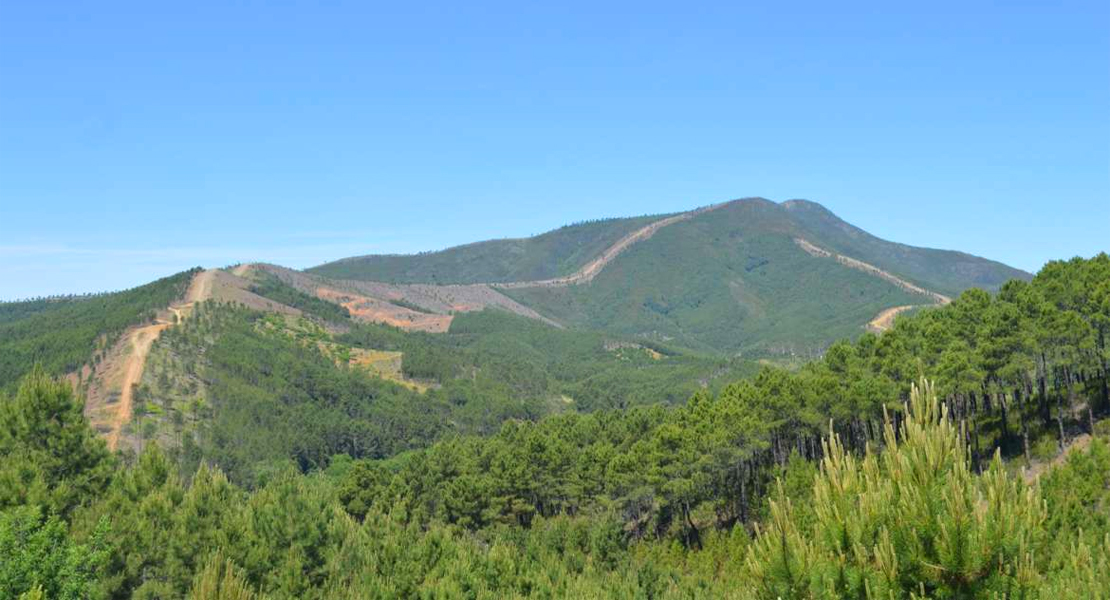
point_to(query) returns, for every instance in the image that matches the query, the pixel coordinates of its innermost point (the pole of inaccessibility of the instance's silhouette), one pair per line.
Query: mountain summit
(749, 274)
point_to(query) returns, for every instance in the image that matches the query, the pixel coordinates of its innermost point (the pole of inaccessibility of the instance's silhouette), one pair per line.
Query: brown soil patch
(140, 340)
(374, 310)
(385, 364)
(442, 300)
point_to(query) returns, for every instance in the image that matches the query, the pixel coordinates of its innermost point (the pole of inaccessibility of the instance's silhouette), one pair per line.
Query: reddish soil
(374, 310)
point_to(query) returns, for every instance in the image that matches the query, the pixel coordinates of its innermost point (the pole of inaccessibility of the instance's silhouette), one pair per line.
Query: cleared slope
(416, 307)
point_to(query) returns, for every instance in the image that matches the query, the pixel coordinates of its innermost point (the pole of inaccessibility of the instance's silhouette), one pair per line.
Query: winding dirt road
(885, 319)
(590, 270)
(138, 342)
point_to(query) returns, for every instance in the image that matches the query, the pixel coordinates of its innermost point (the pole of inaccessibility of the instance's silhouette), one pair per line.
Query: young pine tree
(911, 521)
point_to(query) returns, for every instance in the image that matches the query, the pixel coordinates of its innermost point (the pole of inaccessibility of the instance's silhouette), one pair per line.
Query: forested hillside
(552, 254)
(945, 271)
(64, 334)
(918, 494)
(750, 276)
(246, 390)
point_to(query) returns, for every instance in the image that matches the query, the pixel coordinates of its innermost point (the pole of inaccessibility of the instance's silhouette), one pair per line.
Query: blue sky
(138, 139)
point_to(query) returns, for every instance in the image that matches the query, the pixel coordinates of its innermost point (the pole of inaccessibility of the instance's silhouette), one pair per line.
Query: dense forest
(1019, 371)
(590, 370)
(890, 468)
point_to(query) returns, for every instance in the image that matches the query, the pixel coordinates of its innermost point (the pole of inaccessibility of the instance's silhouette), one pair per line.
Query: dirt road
(859, 265)
(1038, 468)
(885, 319)
(138, 341)
(590, 270)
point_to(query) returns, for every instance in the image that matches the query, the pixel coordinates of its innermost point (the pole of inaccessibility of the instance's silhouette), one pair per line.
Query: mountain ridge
(812, 212)
(772, 273)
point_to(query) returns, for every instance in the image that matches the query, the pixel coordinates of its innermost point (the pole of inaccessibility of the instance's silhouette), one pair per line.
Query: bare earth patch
(385, 364)
(373, 310)
(373, 301)
(1038, 468)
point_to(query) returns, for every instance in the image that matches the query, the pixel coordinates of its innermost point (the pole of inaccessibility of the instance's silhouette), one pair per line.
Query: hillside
(552, 254)
(746, 275)
(945, 271)
(70, 335)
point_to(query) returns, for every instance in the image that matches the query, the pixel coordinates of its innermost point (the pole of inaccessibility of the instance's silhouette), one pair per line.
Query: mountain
(746, 275)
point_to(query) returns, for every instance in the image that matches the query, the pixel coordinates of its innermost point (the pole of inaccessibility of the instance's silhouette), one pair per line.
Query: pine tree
(910, 521)
(221, 580)
(49, 456)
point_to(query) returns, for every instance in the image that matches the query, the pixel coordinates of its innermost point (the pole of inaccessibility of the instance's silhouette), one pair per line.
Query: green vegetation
(725, 281)
(500, 354)
(1027, 364)
(61, 335)
(250, 392)
(913, 520)
(552, 254)
(733, 279)
(945, 271)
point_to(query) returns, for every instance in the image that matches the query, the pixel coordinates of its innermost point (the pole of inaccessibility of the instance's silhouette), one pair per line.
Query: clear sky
(138, 139)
